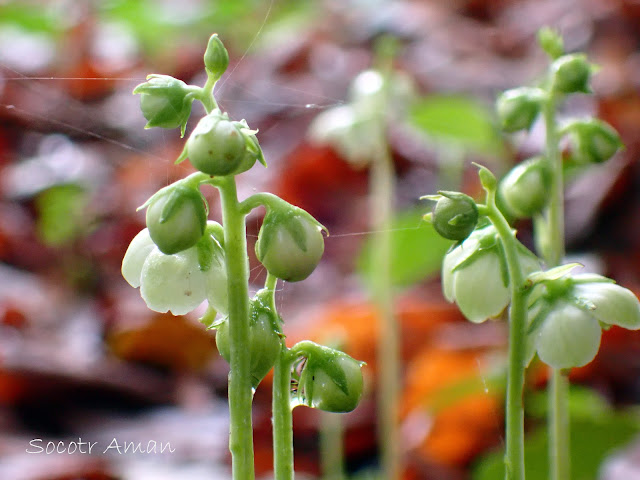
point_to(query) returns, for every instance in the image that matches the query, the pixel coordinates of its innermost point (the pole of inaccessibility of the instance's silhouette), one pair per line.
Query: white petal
(615, 305)
(173, 282)
(569, 337)
(134, 259)
(453, 259)
(216, 284)
(479, 290)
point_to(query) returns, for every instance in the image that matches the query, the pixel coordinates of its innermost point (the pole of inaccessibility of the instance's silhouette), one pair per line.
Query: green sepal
(551, 274)
(210, 252)
(323, 358)
(183, 155)
(217, 231)
(209, 318)
(487, 178)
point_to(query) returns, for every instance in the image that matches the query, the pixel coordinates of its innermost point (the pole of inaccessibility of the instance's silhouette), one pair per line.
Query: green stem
(282, 418)
(283, 466)
(381, 194)
(331, 446)
(240, 388)
(207, 97)
(514, 457)
(558, 424)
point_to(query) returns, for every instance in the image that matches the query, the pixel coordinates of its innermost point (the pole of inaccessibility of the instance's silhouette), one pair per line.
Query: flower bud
(330, 380)
(176, 218)
(216, 57)
(455, 215)
(518, 108)
(551, 42)
(290, 244)
(165, 102)
(217, 146)
(264, 342)
(524, 191)
(571, 73)
(593, 140)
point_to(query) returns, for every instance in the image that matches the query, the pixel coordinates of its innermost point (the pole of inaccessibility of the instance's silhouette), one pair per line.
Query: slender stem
(261, 199)
(558, 422)
(240, 388)
(514, 457)
(555, 216)
(207, 97)
(382, 193)
(283, 466)
(382, 187)
(331, 446)
(558, 425)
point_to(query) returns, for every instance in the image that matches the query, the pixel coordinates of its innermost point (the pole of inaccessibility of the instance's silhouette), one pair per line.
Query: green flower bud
(518, 108)
(455, 215)
(218, 146)
(524, 191)
(290, 244)
(475, 276)
(593, 140)
(216, 57)
(176, 218)
(264, 342)
(551, 42)
(571, 73)
(330, 380)
(165, 102)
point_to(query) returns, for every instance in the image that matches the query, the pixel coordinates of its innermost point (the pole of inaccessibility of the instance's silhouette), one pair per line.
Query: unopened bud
(518, 108)
(571, 73)
(216, 57)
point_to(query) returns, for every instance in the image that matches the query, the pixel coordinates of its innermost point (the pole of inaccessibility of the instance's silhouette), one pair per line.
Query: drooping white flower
(177, 283)
(567, 313)
(569, 337)
(475, 276)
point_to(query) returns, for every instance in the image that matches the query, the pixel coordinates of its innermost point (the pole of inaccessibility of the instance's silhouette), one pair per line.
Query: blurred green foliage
(417, 251)
(596, 430)
(459, 121)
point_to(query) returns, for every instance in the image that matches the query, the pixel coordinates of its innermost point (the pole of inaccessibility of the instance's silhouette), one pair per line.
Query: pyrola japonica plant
(552, 312)
(183, 259)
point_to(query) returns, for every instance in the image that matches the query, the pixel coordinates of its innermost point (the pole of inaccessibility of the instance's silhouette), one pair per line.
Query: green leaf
(459, 121)
(61, 214)
(417, 251)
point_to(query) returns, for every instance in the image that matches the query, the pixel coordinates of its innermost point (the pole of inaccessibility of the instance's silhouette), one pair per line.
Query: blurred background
(83, 360)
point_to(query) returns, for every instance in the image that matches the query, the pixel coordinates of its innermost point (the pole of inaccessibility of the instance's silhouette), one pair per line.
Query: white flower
(175, 282)
(569, 337)
(612, 304)
(474, 275)
(566, 317)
